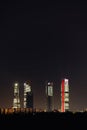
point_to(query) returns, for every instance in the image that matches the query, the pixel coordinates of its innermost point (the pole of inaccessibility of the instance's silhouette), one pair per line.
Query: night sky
(42, 41)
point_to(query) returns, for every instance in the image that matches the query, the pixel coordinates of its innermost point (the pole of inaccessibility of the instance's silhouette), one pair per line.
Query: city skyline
(37, 102)
(44, 41)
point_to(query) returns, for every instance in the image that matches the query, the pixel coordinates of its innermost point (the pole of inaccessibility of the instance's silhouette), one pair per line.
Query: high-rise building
(49, 96)
(65, 95)
(28, 96)
(16, 100)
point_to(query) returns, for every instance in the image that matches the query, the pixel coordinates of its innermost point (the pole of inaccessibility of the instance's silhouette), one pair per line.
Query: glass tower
(28, 96)
(49, 96)
(65, 95)
(16, 100)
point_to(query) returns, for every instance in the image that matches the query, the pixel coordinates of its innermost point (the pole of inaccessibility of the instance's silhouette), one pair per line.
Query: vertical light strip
(62, 94)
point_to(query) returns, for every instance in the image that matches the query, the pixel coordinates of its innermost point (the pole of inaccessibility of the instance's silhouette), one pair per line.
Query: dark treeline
(42, 120)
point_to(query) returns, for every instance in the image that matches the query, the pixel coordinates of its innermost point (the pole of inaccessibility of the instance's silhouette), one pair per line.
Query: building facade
(16, 100)
(49, 96)
(65, 95)
(28, 96)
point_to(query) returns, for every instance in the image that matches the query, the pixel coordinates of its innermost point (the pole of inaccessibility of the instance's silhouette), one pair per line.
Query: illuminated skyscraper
(49, 96)
(65, 95)
(16, 100)
(28, 96)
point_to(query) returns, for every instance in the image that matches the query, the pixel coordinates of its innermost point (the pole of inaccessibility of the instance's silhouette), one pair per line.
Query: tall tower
(16, 100)
(28, 96)
(65, 95)
(49, 96)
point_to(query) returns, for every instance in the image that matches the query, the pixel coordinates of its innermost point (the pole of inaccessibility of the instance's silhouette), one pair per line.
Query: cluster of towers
(28, 96)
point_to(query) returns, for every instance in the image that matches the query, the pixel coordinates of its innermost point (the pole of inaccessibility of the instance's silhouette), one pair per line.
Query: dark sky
(42, 41)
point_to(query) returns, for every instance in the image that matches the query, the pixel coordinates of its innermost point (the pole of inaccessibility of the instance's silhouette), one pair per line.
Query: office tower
(28, 96)
(49, 96)
(65, 95)
(16, 100)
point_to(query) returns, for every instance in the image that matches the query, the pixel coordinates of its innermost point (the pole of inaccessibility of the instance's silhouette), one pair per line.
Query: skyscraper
(16, 100)
(49, 96)
(65, 95)
(28, 96)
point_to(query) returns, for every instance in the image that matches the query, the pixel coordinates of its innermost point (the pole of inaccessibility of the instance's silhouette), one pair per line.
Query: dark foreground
(53, 120)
